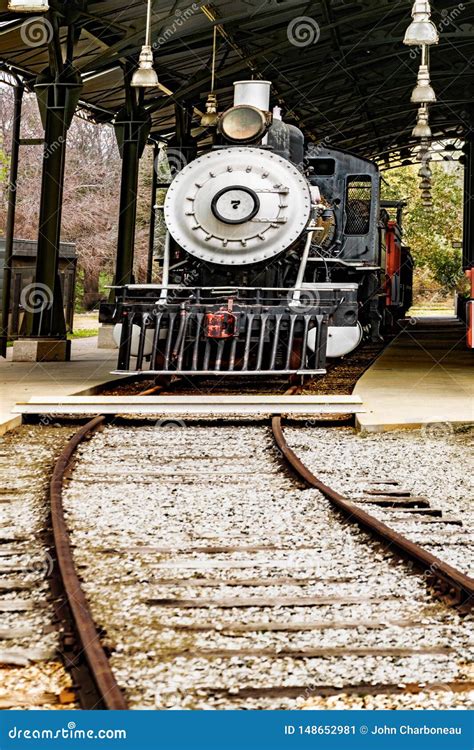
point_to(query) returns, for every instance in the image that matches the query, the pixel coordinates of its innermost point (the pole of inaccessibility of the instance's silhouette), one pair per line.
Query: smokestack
(255, 93)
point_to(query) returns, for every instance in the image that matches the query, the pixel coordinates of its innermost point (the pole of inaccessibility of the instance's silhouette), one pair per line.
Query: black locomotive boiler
(276, 256)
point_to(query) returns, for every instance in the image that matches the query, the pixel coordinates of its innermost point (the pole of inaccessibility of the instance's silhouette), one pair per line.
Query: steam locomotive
(276, 256)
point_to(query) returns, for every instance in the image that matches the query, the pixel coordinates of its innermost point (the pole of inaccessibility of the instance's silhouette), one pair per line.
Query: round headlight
(243, 124)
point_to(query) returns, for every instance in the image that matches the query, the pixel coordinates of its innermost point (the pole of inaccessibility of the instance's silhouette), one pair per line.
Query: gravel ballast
(157, 513)
(435, 462)
(31, 674)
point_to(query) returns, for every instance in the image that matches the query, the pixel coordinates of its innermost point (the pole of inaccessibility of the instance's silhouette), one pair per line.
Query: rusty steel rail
(90, 654)
(82, 652)
(456, 588)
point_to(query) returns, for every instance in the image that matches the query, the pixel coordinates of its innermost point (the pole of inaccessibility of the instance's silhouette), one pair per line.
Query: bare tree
(91, 192)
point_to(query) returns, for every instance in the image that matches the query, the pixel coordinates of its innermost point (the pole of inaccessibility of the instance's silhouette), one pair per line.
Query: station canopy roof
(339, 68)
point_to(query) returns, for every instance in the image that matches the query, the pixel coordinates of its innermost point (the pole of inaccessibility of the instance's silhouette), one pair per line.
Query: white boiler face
(237, 206)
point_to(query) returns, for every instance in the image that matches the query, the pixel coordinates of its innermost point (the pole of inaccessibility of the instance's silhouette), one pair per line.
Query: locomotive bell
(210, 117)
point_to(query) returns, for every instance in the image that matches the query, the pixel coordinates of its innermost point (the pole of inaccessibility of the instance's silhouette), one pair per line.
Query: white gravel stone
(26, 460)
(436, 462)
(143, 505)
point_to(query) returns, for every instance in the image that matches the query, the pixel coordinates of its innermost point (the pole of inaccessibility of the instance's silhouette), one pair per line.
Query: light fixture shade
(422, 129)
(426, 195)
(423, 153)
(421, 30)
(423, 157)
(425, 184)
(145, 75)
(425, 172)
(423, 91)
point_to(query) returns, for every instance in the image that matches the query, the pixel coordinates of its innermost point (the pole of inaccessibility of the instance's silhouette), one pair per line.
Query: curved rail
(455, 587)
(90, 663)
(97, 688)
(107, 693)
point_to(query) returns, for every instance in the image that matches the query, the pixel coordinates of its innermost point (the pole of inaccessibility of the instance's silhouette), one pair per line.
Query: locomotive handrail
(223, 288)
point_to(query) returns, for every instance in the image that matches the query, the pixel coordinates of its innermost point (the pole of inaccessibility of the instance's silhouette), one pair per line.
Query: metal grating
(364, 101)
(358, 200)
(174, 341)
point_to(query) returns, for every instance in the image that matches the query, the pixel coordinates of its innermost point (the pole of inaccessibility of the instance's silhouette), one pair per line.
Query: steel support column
(127, 214)
(57, 99)
(151, 236)
(468, 234)
(132, 126)
(468, 214)
(10, 227)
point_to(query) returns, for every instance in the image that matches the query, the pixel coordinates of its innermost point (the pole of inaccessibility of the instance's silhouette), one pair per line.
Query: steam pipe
(166, 267)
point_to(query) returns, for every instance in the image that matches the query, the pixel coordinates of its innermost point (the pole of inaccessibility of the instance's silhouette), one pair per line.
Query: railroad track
(214, 577)
(453, 585)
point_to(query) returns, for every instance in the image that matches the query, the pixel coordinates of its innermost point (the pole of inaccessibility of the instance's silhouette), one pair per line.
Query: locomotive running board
(263, 405)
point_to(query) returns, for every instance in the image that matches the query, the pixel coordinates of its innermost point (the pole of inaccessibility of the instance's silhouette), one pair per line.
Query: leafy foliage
(3, 164)
(430, 234)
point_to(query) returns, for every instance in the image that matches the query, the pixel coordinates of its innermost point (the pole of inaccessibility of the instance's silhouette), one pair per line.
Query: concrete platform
(425, 378)
(19, 381)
